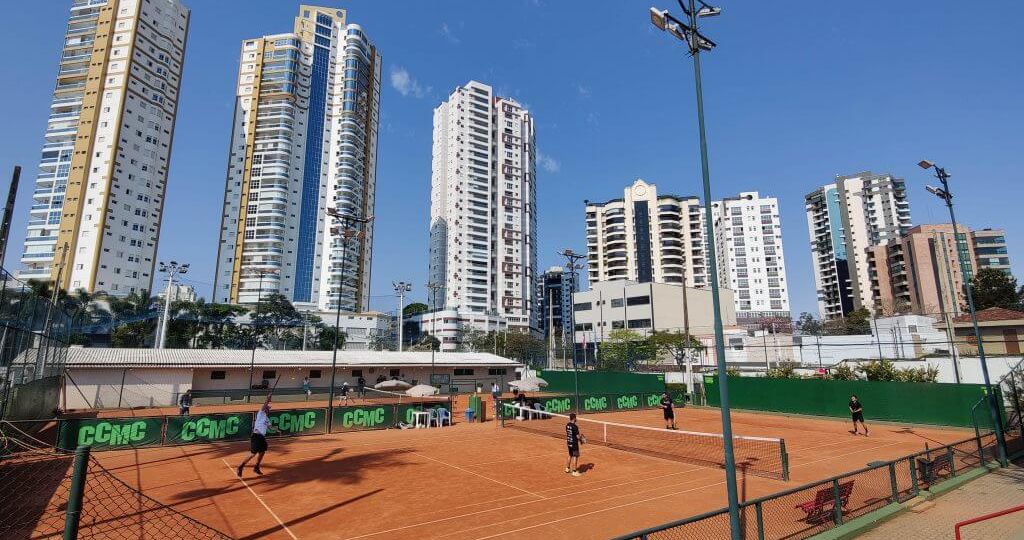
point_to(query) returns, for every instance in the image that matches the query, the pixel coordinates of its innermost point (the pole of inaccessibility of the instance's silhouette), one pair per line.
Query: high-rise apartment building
(303, 141)
(921, 271)
(483, 218)
(646, 237)
(844, 219)
(554, 300)
(748, 239)
(94, 223)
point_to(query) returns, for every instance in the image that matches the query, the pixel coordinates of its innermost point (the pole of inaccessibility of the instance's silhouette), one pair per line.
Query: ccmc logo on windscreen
(210, 429)
(112, 433)
(291, 423)
(595, 403)
(366, 418)
(558, 405)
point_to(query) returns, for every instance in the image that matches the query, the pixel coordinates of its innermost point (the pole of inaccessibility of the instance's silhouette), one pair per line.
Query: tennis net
(762, 456)
(372, 395)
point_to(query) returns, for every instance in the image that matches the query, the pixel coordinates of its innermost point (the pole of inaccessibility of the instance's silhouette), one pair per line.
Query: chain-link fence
(817, 507)
(34, 334)
(48, 493)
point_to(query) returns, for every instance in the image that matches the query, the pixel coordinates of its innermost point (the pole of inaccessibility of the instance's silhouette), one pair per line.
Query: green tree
(676, 345)
(878, 370)
(325, 339)
(414, 308)
(809, 325)
(995, 288)
(135, 318)
(624, 350)
(785, 370)
(844, 372)
(426, 342)
(858, 322)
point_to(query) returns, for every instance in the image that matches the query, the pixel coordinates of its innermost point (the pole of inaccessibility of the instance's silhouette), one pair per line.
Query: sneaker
(257, 470)
(238, 471)
(575, 473)
(568, 470)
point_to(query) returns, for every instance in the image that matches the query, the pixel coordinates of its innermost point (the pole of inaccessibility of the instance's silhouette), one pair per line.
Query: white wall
(143, 387)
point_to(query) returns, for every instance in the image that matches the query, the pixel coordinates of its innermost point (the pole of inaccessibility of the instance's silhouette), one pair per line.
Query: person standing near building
(185, 402)
(362, 386)
(668, 412)
(573, 440)
(305, 387)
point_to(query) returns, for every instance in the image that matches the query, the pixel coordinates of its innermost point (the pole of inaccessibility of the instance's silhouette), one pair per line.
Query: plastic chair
(441, 415)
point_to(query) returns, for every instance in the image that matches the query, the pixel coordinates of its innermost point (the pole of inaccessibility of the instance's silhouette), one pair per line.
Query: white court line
(574, 493)
(574, 516)
(846, 454)
(478, 474)
(260, 499)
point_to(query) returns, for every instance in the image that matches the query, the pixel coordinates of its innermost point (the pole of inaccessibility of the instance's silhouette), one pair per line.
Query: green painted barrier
(110, 433)
(916, 403)
(297, 422)
(363, 417)
(208, 428)
(603, 382)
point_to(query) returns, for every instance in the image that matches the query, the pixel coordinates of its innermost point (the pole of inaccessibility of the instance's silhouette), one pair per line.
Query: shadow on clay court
(586, 467)
(328, 468)
(320, 512)
(910, 431)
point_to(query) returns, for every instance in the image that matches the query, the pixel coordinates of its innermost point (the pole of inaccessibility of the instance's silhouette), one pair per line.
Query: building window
(357, 373)
(639, 323)
(218, 375)
(638, 301)
(497, 371)
(582, 306)
(617, 302)
(394, 372)
(269, 374)
(314, 374)
(618, 325)
(463, 372)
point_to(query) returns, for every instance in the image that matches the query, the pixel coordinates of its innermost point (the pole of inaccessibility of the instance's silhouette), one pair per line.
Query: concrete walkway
(1001, 489)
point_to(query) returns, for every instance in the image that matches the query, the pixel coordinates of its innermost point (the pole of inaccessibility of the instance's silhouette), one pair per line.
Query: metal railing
(813, 508)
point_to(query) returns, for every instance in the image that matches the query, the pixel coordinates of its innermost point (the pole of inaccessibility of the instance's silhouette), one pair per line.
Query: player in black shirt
(857, 412)
(573, 439)
(667, 412)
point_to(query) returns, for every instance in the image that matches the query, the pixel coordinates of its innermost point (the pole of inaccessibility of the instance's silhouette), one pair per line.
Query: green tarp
(915, 403)
(603, 382)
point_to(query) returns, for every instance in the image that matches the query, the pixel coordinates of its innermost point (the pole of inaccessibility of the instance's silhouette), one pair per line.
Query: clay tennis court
(482, 481)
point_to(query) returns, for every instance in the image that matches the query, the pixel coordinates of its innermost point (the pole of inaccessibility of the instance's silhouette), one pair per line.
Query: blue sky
(796, 93)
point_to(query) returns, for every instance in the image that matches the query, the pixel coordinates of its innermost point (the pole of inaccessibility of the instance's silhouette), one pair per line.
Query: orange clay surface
(482, 481)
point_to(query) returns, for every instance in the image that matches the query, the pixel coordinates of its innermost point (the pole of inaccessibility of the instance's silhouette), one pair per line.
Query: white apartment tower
(303, 141)
(844, 219)
(94, 223)
(483, 219)
(646, 237)
(748, 240)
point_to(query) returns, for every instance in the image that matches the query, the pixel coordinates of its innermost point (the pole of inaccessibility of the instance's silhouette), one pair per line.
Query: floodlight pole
(696, 42)
(572, 264)
(947, 197)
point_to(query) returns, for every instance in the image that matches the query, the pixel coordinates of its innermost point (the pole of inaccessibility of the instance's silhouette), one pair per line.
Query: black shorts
(669, 414)
(858, 417)
(257, 443)
(574, 451)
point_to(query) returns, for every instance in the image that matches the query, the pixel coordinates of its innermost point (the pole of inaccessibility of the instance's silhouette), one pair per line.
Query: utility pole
(261, 273)
(572, 264)
(433, 288)
(947, 197)
(349, 226)
(401, 288)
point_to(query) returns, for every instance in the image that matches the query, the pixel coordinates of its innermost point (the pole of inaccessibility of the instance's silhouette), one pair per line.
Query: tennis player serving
(573, 439)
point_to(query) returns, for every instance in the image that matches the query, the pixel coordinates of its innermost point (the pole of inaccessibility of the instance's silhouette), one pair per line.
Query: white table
(424, 415)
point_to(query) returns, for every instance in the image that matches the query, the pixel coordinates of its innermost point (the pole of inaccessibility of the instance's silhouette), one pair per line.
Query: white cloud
(548, 163)
(522, 43)
(406, 85)
(447, 33)
(584, 91)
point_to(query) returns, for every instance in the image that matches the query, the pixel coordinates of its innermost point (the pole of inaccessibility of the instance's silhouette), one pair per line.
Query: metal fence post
(981, 451)
(759, 512)
(785, 460)
(892, 482)
(77, 491)
(1016, 403)
(837, 504)
(952, 461)
(913, 476)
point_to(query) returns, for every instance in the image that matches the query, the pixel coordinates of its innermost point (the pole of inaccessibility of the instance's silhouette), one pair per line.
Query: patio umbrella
(529, 384)
(392, 384)
(422, 390)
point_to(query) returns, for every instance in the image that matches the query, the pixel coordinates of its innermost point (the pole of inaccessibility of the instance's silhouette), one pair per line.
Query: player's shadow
(910, 431)
(585, 468)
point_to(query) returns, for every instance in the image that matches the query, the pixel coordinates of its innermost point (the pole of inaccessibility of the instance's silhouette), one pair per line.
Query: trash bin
(925, 470)
(469, 415)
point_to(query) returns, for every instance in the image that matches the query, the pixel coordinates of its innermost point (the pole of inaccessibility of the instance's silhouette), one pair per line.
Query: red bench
(823, 505)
